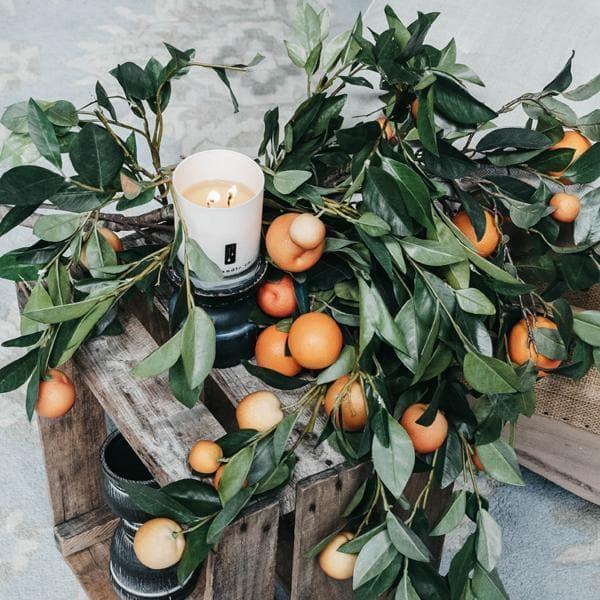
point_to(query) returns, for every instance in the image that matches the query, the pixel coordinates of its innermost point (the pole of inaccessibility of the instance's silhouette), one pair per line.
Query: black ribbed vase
(130, 578)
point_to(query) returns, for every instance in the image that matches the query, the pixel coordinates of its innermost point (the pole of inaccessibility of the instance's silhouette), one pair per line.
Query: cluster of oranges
(159, 543)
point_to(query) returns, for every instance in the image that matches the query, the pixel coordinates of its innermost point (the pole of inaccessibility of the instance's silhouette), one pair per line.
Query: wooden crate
(268, 542)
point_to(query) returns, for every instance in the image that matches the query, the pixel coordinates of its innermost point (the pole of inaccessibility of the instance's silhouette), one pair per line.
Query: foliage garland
(425, 317)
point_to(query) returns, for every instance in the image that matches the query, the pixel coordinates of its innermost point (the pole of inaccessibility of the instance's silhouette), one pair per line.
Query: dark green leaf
(275, 379)
(96, 156)
(374, 557)
(453, 515)
(136, 83)
(42, 133)
(200, 497)
(157, 503)
(15, 216)
(405, 540)
(564, 79)
(228, 514)
(489, 540)
(196, 550)
(16, 373)
(394, 463)
(56, 227)
(455, 103)
(204, 268)
(586, 169)
(500, 462)
(28, 185)
(161, 359)
(513, 137)
(198, 346)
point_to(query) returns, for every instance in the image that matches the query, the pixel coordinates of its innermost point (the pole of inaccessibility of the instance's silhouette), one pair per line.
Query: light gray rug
(57, 49)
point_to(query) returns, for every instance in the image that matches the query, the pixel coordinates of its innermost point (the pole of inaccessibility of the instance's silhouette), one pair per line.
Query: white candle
(227, 228)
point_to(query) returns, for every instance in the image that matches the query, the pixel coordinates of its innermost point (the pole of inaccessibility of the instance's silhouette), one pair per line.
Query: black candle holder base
(230, 309)
(130, 578)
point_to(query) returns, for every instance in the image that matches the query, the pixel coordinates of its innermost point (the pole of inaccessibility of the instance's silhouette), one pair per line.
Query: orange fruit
(315, 340)
(111, 237)
(352, 405)
(337, 565)
(204, 456)
(424, 439)
(56, 396)
(488, 244)
(414, 108)
(277, 298)
(566, 207)
(286, 253)
(574, 140)
(383, 122)
(521, 348)
(156, 545)
(217, 478)
(270, 352)
(259, 410)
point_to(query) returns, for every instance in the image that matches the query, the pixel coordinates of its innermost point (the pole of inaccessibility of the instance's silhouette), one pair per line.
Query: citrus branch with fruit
(419, 261)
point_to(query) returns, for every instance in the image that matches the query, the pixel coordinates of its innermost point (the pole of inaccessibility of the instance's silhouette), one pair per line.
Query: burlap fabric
(574, 402)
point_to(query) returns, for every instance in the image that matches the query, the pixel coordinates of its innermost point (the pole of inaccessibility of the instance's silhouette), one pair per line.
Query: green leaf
(18, 149)
(405, 590)
(76, 200)
(15, 216)
(104, 101)
(586, 169)
(373, 225)
(198, 346)
(489, 375)
(275, 379)
(23, 341)
(286, 182)
(564, 79)
(62, 114)
(180, 388)
(394, 464)
(204, 268)
(405, 540)
(235, 473)
(163, 358)
(43, 135)
(99, 253)
(453, 515)
(373, 559)
(32, 393)
(356, 544)
(96, 156)
(548, 342)
(500, 462)
(489, 540)
(196, 550)
(432, 253)
(200, 497)
(413, 189)
(282, 434)
(487, 585)
(473, 301)
(15, 117)
(426, 120)
(64, 312)
(586, 325)
(56, 227)
(136, 83)
(28, 185)
(222, 75)
(16, 373)
(584, 91)
(455, 103)
(513, 137)
(228, 514)
(342, 366)
(157, 503)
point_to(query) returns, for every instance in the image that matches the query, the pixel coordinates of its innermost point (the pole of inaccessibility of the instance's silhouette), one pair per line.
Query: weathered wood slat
(320, 500)
(90, 566)
(243, 564)
(82, 532)
(72, 467)
(158, 428)
(566, 455)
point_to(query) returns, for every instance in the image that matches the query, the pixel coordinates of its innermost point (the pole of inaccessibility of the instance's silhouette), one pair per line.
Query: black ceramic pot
(131, 579)
(230, 309)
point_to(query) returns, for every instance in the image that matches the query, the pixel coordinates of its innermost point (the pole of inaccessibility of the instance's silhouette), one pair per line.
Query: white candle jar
(230, 236)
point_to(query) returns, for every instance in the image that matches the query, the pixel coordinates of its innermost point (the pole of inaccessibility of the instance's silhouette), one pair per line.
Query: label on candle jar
(218, 193)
